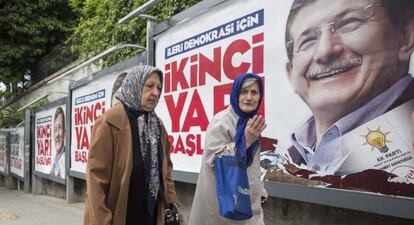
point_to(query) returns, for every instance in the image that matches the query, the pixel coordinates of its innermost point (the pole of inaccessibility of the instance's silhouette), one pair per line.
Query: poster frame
(136, 60)
(356, 200)
(7, 169)
(58, 102)
(24, 155)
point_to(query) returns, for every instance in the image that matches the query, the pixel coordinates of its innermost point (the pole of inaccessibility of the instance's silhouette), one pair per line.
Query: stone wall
(279, 211)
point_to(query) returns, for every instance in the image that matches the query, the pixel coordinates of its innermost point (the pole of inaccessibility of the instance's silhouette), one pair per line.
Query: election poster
(199, 71)
(3, 154)
(338, 89)
(50, 136)
(89, 103)
(43, 141)
(17, 152)
(201, 59)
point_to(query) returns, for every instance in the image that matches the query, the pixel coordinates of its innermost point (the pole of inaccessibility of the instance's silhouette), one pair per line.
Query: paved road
(17, 208)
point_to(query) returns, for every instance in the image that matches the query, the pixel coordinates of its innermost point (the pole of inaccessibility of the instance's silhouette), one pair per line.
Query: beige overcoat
(109, 170)
(219, 140)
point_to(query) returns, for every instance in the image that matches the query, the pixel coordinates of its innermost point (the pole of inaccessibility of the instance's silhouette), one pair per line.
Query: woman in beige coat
(238, 120)
(129, 168)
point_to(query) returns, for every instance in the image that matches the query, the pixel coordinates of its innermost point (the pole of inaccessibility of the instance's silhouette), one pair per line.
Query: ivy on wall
(11, 117)
(98, 27)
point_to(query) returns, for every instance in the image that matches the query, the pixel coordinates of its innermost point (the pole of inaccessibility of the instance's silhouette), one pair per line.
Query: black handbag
(170, 210)
(171, 215)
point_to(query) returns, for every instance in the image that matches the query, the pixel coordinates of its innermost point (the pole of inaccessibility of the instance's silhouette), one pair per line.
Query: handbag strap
(162, 194)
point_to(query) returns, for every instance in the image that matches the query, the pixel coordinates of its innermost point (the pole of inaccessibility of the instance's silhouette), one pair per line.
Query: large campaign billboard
(17, 152)
(89, 103)
(338, 96)
(50, 136)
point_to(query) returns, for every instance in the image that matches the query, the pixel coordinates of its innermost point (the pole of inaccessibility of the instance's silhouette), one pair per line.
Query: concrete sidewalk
(17, 208)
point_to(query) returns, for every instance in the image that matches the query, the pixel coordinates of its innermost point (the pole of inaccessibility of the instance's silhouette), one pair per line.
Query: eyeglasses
(348, 21)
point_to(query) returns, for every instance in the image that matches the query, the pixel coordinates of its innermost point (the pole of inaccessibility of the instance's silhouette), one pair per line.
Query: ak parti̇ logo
(377, 139)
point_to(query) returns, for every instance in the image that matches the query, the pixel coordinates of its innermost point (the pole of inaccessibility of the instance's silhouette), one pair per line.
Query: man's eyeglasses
(345, 22)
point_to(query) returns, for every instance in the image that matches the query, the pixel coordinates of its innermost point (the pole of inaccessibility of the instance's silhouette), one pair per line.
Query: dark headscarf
(239, 138)
(148, 129)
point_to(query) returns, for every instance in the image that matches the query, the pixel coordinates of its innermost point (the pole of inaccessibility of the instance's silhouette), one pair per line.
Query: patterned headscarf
(148, 129)
(239, 138)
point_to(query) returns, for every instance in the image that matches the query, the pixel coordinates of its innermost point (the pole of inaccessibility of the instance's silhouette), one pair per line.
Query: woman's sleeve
(263, 191)
(98, 175)
(172, 196)
(218, 142)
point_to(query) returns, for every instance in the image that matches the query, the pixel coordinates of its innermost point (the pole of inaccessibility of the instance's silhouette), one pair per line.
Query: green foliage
(35, 106)
(29, 30)
(98, 27)
(33, 33)
(10, 117)
(59, 57)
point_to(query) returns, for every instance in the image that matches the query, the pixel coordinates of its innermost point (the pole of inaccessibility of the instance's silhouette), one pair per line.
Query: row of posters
(12, 162)
(338, 99)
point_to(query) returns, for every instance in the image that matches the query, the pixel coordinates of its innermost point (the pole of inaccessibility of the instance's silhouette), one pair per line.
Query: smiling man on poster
(58, 167)
(349, 62)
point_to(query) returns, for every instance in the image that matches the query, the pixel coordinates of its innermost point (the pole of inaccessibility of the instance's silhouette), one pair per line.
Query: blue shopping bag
(232, 188)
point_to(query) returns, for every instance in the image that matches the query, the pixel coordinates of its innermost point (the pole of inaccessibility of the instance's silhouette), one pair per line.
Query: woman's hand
(263, 200)
(254, 128)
